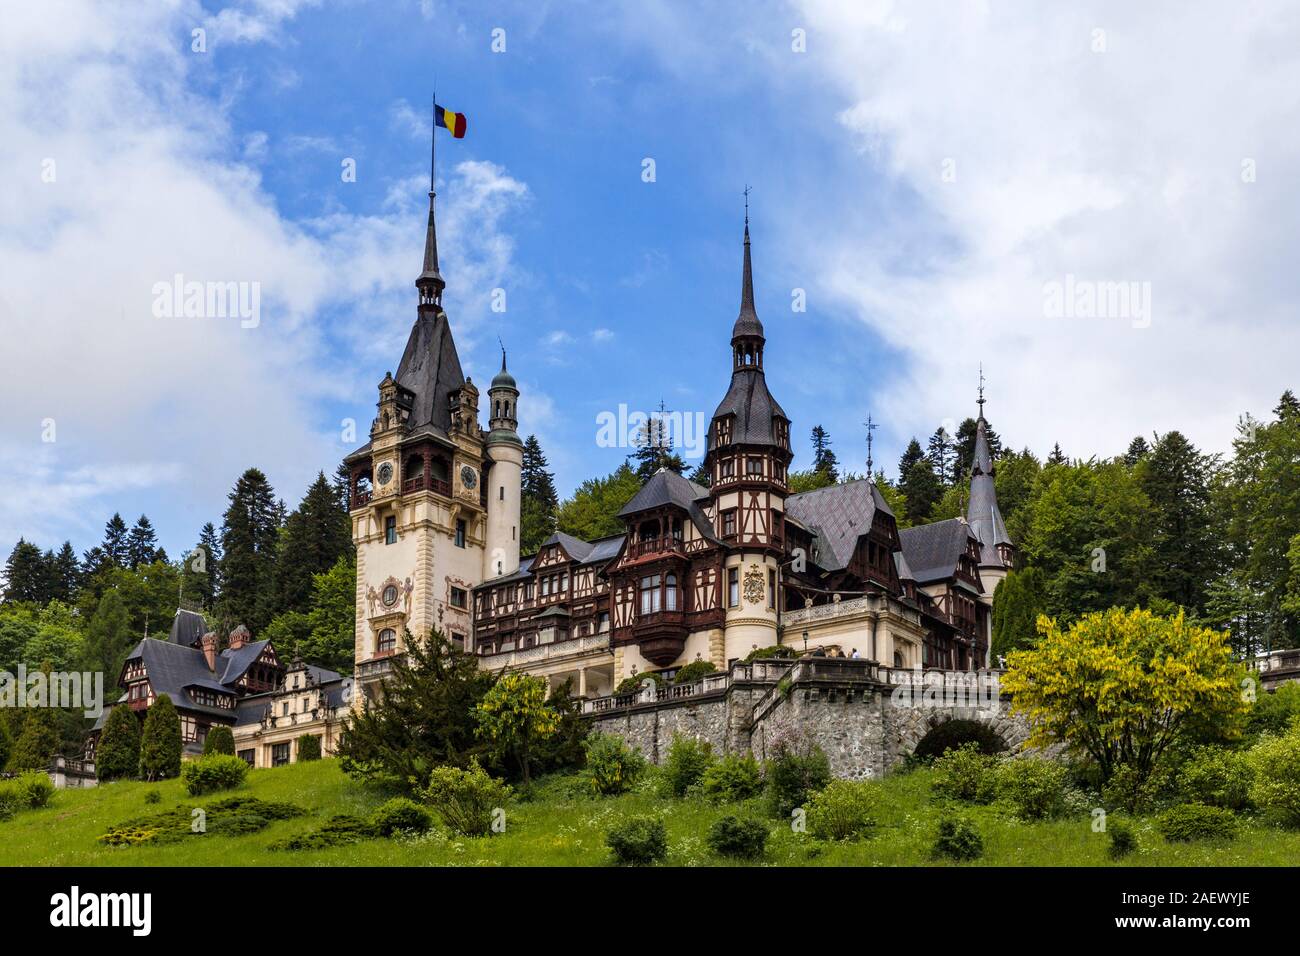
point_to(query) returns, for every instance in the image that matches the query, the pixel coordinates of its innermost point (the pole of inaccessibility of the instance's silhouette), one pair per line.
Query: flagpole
(433, 139)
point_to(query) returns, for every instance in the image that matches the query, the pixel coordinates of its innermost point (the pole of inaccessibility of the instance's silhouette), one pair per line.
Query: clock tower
(421, 510)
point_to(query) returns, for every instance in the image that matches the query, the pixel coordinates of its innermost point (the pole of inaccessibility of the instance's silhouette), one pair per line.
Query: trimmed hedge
(695, 670)
(220, 740)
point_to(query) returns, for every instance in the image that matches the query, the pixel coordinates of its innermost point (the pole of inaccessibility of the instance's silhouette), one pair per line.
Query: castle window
(650, 594)
(460, 532)
(729, 523)
(670, 593)
(728, 467)
(279, 754)
(247, 757)
(387, 642)
(528, 591)
(458, 597)
(390, 529)
(501, 496)
(602, 624)
(754, 466)
(771, 589)
(733, 587)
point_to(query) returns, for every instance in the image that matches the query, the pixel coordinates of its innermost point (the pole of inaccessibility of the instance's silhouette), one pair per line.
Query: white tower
(504, 476)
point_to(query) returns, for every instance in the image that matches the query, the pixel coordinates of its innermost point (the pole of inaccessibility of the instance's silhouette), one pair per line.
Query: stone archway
(907, 727)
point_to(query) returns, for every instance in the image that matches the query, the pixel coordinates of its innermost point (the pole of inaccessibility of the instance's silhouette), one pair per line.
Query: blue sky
(919, 175)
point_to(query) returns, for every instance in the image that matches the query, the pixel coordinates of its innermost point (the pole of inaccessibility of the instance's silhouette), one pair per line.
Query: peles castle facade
(698, 574)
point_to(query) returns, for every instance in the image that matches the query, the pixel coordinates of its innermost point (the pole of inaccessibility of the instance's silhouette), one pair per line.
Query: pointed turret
(747, 338)
(430, 282)
(983, 515)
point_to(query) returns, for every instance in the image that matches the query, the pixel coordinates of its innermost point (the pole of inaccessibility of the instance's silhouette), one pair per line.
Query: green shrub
(633, 682)
(612, 766)
(1275, 787)
(400, 815)
(781, 651)
(966, 774)
(1216, 777)
(235, 815)
(695, 670)
(742, 837)
(338, 830)
(688, 758)
(638, 840)
(152, 796)
(9, 803)
(797, 768)
(735, 777)
(1128, 790)
(33, 790)
(957, 839)
(238, 824)
(1196, 821)
(220, 740)
(1273, 711)
(213, 772)
(1035, 788)
(1123, 840)
(308, 747)
(465, 799)
(842, 810)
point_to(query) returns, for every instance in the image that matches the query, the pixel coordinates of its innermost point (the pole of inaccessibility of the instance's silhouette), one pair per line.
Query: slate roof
(431, 369)
(188, 628)
(983, 514)
(934, 550)
(238, 661)
(752, 405)
(575, 548)
(665, 487)
(747, 322)
(172, 668)
(838, 516)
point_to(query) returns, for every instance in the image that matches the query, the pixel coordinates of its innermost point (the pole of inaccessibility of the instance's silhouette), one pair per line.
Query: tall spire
(430, 282)
(982, 513)
(747, 334)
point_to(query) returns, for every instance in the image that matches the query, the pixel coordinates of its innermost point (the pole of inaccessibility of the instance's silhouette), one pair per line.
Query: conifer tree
(141, 544)
(1176, 478)
(911, 455)
(824, 460)
(1137, 450)
(65, 575)
(160, 743)
(26, 574)
(249, 536)
(315, 536)
(943, 455)
(108, 637)
(220, 740)
(115, 541)
(118, 754)
(1017, 601)
(654, 450)
(1057, 457)
(38, 742)
(540, 501)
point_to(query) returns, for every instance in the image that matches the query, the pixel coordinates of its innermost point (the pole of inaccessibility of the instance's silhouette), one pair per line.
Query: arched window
(670, 593)
(387, 642)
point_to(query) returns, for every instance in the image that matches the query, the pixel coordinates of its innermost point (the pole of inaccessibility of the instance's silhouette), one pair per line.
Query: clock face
(468, 477)
(385, 473)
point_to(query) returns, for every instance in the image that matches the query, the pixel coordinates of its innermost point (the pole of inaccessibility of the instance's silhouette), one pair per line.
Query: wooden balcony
(660, 636)
(661, 544)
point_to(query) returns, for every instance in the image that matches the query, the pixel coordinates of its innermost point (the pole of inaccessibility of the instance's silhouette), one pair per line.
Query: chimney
(209, 644)
(239, 637)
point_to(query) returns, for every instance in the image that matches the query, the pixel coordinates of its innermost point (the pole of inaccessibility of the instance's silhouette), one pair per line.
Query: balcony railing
(375, 668)
(543, 652)
(656, 545)
(362, 498)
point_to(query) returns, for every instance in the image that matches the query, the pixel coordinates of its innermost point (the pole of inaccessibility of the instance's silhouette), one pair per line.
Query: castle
(698, 573)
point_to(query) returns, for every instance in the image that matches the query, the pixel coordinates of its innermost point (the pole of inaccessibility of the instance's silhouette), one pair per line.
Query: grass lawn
(559, 828)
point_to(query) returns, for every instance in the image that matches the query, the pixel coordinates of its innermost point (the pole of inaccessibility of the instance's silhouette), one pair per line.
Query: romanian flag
(450, 121)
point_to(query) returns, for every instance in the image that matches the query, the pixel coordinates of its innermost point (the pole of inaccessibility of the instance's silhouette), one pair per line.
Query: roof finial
(430, 282)
(871, 427)
(746, 210)
(503, 353)
(980, 400)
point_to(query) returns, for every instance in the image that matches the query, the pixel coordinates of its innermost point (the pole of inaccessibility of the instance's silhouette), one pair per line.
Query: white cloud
(151, 181)
(403, 116)
(1115, 166)
(602, 335)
